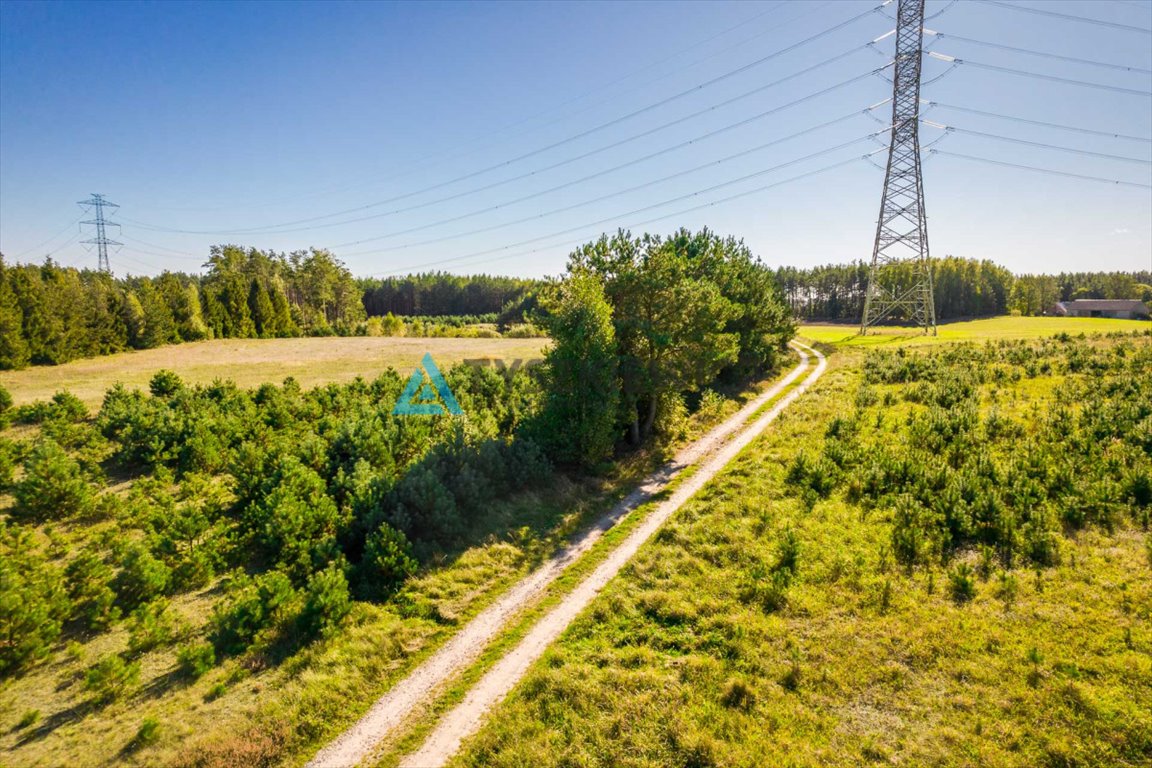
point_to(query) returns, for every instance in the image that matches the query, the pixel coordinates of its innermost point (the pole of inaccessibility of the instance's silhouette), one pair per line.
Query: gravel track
(416, 691)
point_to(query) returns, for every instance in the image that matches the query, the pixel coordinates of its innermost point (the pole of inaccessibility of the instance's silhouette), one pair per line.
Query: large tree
(670, 324)
(579, 414)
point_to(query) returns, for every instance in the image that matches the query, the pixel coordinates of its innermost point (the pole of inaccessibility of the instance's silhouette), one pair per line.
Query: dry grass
(250, 362)
(846, 335)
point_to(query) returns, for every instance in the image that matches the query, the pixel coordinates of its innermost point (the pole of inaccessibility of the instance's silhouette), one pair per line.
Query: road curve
(421, 685)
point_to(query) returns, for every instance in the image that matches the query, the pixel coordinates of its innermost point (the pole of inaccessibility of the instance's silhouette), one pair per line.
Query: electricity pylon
(101, 240)
(902, 228)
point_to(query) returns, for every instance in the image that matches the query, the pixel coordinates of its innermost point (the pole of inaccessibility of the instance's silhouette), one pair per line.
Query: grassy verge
(859, 661)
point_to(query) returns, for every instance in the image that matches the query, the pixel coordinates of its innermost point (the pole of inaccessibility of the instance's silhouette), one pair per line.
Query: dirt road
(408, 697)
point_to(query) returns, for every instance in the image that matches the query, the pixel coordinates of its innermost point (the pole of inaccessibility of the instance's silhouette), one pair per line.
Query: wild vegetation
(282, 513)
(940, 557)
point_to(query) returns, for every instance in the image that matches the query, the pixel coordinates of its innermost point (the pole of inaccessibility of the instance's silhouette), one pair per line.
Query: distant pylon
(101, 240)
(902, 228)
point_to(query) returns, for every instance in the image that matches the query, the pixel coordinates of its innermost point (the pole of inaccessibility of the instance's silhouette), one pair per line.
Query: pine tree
(133, 314)
(159, 325)
(578, 419)
(284, 325)
(13, 348)
(261, 309)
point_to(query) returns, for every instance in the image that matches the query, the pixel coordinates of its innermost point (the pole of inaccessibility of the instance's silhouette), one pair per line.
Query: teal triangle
(419, 397)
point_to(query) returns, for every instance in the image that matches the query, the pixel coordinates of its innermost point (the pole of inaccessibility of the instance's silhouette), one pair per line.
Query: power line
(630, 225)
(599, 150)
(1069, 17)
(1075, 150)
(676, 55)
(1050, 171)
(663, 202)
(592, 201)
(1025, 73)
(64, 244)
(1043, 54)
(41, 245)
(174, 251)
(937, 104)
(562, 142)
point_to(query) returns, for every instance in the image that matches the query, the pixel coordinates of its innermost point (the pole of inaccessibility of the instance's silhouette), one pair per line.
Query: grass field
(251, 362)
(843, 335)
(865, 662)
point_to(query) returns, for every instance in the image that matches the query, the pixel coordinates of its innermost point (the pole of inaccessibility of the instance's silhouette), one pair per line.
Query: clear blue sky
(220, 116)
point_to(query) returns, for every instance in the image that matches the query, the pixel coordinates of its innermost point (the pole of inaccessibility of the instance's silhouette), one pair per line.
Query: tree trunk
(651, 418)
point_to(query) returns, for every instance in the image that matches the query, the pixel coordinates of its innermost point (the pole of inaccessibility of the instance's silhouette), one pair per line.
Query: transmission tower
(101, 241)
(900, 278)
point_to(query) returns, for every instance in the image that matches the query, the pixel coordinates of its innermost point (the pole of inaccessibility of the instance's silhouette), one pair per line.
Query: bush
(251, 606)
(196, 659)
(142, 576)
(67, 407)
(326, 603)
(962, 583)
(150, 626)
(53, 484)
(386, 564)
(33, 604)
(165, 384)
(8, 451)
(89, 585)
(148, 733)
(111, 678)
(788, 552)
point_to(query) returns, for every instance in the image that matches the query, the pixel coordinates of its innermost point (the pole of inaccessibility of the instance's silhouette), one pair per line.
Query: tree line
(439, 293)
(962, 288)
(51, 314)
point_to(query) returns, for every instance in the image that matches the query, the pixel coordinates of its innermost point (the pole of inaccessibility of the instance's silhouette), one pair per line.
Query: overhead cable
(1051, 171)
(1069, 17)
(1075, 150)
(1044, 54)
(1090, 131)
(595, 129)
(1025, 73)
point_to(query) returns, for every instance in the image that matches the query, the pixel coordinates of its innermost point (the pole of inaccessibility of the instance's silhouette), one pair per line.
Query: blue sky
(229, 121)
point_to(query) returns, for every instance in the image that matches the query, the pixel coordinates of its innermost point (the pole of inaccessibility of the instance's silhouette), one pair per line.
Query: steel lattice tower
(101, 240)
(902, 228)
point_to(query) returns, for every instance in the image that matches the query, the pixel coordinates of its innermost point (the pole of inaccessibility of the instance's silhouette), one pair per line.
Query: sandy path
(419, 687)
(464, 719)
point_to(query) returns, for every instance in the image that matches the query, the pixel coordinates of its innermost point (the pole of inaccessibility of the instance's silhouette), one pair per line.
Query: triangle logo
(427, 393)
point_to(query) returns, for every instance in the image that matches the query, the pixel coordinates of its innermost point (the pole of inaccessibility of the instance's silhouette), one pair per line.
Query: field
(251, 362)
(789, 616)
(970, 330)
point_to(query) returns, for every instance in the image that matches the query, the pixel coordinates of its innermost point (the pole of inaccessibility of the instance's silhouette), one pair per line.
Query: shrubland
(941, 556)
(179, 540)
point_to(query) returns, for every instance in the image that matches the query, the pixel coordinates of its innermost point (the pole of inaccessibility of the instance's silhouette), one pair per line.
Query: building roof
(1106, 305)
